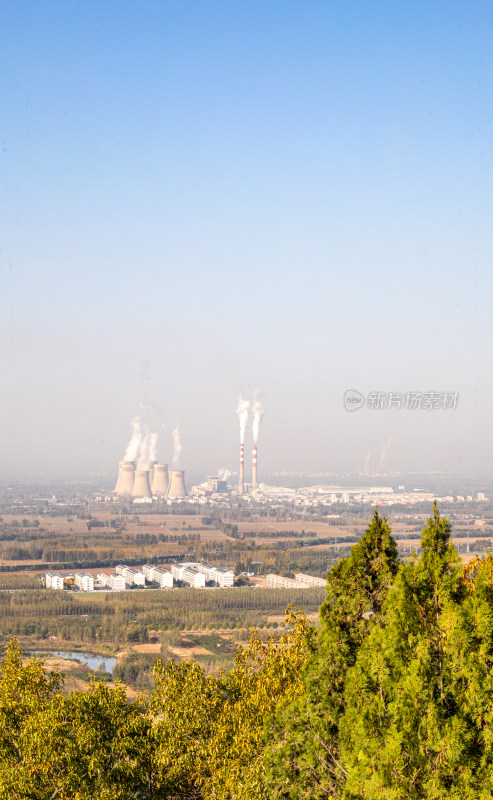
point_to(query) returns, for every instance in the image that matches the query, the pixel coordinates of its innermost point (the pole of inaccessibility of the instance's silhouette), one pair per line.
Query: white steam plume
(153, 440)
(381, 463)
(258, 412)
(224, 474)
(133, 446)
(242, 411)
(176, 447)
(366, 467)
(143, 458)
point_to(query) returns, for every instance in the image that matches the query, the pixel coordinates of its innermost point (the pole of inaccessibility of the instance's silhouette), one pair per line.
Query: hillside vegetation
(391, 699)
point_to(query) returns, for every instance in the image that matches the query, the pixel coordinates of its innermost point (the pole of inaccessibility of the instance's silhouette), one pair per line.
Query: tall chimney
(254, 467)
(176, 488)
(142, 487)
(125, 482)
(241, 484)
(160, 481)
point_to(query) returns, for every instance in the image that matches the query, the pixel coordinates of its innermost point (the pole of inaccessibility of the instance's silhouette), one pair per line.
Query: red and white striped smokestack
(254, 467)
(241, 484)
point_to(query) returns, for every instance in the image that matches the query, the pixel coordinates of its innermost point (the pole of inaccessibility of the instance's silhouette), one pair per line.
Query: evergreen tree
(419, 700)
(302, 755)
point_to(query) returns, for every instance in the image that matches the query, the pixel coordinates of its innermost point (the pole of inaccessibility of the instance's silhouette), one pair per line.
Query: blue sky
(199, 198)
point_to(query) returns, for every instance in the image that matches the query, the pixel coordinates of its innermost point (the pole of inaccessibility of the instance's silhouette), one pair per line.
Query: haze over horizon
(210, 198)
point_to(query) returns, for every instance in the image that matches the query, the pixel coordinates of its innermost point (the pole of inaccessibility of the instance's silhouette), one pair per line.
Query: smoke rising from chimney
(143, 459)
(142, 447)
(176, 447)
(242, 411)
(133, 446)
(258, 412)
(153, 440)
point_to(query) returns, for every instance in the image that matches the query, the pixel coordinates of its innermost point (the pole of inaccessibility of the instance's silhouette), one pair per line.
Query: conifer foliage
(302, 758)
(418, 721)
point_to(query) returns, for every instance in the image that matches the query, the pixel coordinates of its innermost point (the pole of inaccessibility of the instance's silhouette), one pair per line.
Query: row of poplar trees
(392, 699)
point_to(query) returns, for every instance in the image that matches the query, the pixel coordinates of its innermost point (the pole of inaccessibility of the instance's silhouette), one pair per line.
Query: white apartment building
(177, 571)
(193, 577)
(224, 578)
(133, 577)
(163, 577)
(219, 575)
(280, 582)
(310, 580)
(104, 578)
(54, 580)
(206, 569)
(84, 581)
(148, 570)
(120, 569)
(117, 583)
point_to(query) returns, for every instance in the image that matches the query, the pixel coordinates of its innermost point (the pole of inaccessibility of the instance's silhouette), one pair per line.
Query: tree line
(392, 698)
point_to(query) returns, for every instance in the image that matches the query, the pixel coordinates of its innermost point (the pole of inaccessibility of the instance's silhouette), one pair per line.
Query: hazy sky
(199, 198)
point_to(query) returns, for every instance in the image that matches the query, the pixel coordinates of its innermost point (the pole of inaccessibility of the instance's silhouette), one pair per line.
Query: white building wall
(177, 571)
(84, 581)
(280, 582)
(54, 581)
(223, 577)
(163, 577)
(148, 570)
(117, 583)
(310, 580)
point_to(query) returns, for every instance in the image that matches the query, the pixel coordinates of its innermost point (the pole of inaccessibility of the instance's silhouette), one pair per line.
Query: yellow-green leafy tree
(209, 729)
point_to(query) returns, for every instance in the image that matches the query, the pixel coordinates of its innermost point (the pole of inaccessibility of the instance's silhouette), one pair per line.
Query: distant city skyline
(201, 199)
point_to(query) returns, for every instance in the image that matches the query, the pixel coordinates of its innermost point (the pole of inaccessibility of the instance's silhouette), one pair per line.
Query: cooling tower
(254, 467)
(176, 486)
(152, 464)
(142, 487)
(125, 482)
(160, 480)
(241, 484)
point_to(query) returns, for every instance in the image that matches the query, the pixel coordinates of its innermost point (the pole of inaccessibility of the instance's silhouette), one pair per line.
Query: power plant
(152, 464)
(176, 489)
(142, 477)
(160, 480)
(142, 486)
(126, 475)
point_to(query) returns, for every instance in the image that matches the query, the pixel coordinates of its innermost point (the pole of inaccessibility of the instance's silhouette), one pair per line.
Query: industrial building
(144, 484)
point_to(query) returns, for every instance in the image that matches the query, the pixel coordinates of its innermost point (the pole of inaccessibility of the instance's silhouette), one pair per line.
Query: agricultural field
(139, 626)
